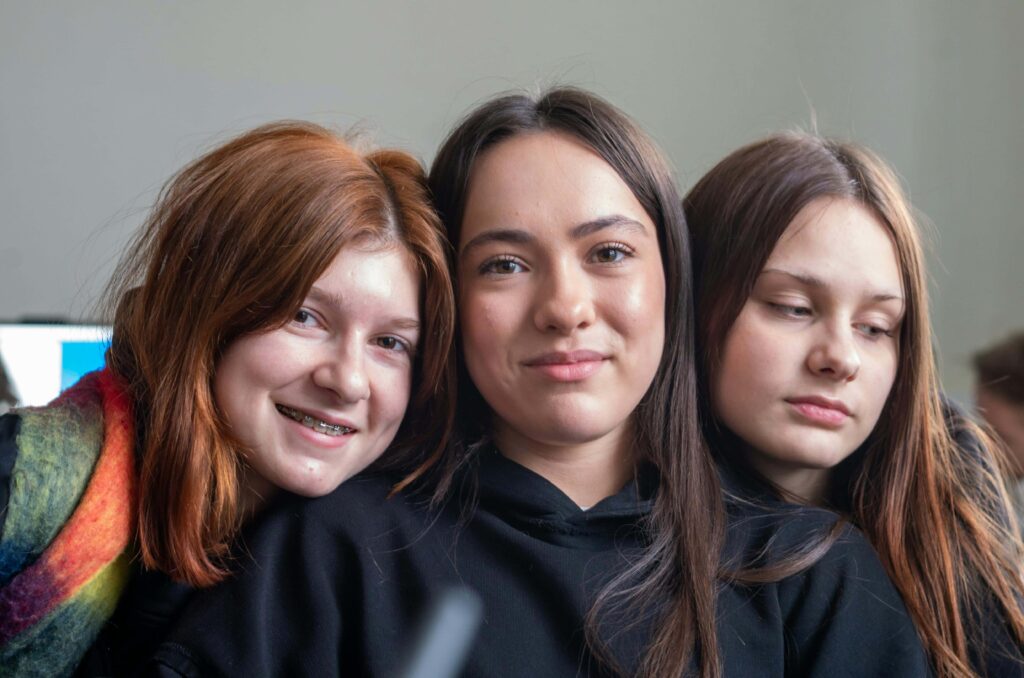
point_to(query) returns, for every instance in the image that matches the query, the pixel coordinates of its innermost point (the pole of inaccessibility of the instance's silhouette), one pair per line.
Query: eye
(502, 265)
(791, 310)
(392, 343)
(874, 331)
(305, 318)
(611, 253)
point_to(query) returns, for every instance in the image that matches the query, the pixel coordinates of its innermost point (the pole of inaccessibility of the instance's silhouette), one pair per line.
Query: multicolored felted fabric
(64, 553)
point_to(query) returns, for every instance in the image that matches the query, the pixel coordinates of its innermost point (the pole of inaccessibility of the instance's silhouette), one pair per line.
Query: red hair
(233, 245)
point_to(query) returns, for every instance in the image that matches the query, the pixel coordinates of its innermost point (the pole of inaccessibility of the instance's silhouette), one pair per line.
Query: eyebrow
(812, 281)
(519, 236)
(322, 296)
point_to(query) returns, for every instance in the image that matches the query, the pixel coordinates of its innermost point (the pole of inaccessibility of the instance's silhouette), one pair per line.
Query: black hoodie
(335, 586)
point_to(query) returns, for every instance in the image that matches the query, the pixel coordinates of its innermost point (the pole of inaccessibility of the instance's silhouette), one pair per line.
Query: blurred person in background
(999, 395)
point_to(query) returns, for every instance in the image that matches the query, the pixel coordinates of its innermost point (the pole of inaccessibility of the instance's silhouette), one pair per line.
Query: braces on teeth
(318, 425)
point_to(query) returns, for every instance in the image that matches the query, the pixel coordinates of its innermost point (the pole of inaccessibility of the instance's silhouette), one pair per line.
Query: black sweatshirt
(334, 586)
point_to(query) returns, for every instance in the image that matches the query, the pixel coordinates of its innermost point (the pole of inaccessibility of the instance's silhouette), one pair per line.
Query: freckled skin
(336, 358)
(566, 295)
(831, 347)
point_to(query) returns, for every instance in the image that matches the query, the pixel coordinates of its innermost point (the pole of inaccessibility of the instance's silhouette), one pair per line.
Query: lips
(314, 422)
(565, 358)
(821, 410)
(567, 366)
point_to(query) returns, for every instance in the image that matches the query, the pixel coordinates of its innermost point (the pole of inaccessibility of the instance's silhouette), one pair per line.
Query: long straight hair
(232, 247)
(935, 513)
(685, 528)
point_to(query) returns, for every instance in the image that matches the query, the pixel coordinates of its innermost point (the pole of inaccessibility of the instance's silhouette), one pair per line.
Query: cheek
(748, 350)
(237, 372)
(881, 382)
(487, 323)
(727, 386)
(393, 388)
(636, 306)
(750, 363)
(249, 368)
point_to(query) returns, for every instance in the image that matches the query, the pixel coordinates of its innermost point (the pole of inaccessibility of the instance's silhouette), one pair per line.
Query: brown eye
(502, 266)
(304, 318)
(392, 343)
(611, 253)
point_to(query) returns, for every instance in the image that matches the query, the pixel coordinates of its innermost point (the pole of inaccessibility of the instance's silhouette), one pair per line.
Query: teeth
(318, 425)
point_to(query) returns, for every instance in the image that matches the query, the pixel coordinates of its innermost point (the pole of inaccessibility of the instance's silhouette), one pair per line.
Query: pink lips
(567, 366)
(819, 410)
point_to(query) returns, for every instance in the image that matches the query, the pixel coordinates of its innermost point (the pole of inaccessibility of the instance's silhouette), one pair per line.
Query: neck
(255, 492)
(586, 472)
(801, 484)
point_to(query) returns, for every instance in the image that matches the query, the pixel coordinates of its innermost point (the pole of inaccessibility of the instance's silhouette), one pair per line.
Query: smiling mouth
(318, 425)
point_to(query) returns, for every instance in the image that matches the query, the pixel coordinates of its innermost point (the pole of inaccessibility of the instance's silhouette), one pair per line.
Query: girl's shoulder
(823, 589)
(364, 510)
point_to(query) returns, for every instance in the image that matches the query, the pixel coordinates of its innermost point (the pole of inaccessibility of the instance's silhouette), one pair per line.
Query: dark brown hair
(232, 247)
(1000, 368)
(935, 516)
(676, 573)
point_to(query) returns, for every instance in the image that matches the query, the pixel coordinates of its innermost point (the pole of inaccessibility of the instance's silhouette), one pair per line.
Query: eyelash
(790, 310)
(400, 344)
(490, 267)
(309, 315)
(793, 311)
(876, 332)
(622, 248)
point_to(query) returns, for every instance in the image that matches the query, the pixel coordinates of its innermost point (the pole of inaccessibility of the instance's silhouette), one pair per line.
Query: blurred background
(101, 101)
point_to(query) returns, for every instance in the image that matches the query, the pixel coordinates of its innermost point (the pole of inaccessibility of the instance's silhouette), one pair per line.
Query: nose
(564, 301)
(343, 370)
(835, 355)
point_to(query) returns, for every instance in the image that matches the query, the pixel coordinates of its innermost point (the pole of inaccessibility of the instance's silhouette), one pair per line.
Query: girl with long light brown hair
(818, 382)
(285, 303)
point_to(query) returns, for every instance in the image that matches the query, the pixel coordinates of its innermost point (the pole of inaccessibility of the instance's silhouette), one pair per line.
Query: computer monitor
(41, 360)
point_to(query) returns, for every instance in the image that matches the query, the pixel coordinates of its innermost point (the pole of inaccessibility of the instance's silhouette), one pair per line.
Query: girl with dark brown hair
(818, 383)
(286, 301)
(577, 497)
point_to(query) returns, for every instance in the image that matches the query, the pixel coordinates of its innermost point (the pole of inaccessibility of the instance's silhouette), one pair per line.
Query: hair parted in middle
(232, 247)
(935, 513)
(681, 562)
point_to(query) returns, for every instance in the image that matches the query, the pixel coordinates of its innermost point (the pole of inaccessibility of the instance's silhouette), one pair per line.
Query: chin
(813, 459)
(573, 432)
(310, 487)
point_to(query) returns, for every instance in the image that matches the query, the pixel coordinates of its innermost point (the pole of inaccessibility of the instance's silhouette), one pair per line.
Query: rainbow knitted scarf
(64, 556)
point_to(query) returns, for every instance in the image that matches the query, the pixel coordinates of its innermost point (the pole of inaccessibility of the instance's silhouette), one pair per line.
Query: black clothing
(334, 587)
(150, 603)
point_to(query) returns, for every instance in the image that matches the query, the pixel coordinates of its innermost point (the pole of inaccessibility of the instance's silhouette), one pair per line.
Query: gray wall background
(100, 102)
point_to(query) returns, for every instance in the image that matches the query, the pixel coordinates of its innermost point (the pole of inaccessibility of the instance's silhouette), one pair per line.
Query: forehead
(842, 241)
(383, 273)
(540, 178)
